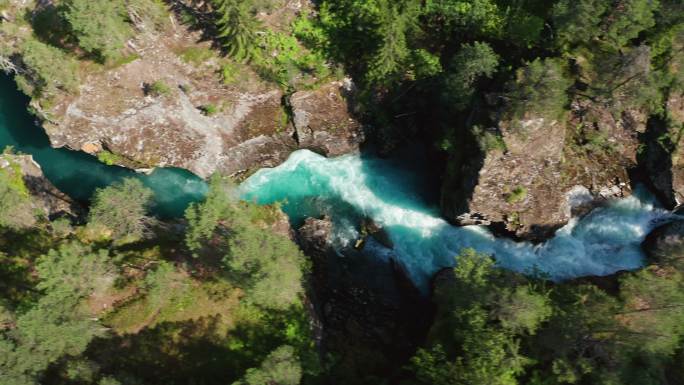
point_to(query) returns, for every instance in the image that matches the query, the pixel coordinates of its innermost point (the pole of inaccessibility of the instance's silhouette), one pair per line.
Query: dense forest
(109, 293)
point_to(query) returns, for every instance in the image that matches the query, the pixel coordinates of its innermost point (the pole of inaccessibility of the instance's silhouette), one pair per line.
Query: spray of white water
(349, 187)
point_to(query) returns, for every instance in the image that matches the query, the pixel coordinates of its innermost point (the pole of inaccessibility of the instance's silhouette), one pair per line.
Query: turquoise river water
(351, 187)
(78, 174)
(391, 192)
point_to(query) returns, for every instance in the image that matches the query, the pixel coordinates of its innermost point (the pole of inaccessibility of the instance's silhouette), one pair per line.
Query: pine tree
(396, 20)
(122, 209)
(100, 26)
(237, 28)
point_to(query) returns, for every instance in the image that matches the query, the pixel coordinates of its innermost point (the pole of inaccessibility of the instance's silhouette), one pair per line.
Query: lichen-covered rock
(315, 237)
(167, 108)
(323, 122)
(530, 188)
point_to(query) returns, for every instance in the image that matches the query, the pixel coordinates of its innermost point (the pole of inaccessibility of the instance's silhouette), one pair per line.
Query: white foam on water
(603, 242)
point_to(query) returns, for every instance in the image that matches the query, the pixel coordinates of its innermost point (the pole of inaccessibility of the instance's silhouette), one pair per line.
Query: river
(351, 187)
(78, 174)
(391, 192)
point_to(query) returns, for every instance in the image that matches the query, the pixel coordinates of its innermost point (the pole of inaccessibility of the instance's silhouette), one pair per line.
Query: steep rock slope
(198, 122)
(47, 199)
(543, 177)
(173, 100)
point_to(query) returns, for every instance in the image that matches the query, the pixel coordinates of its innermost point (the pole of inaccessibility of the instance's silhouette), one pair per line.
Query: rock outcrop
(322, 121)
(665, 244)
(167, 107)
(47, 199)
(663, 158)
(546, 173)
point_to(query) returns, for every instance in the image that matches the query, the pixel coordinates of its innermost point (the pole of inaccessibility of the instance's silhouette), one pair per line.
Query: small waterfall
(352, 187)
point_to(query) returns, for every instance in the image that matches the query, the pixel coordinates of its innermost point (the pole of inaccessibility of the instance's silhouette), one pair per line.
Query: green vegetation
(539, 89)
(237, 25)
(149, 13)
(209, 109)
(496, 327)
(268, 265)
(109, 158)
(196, 55)
(518, 194)
(471, 62)
(78, 307)
(16, 208)
(121, 209)
(100, 26)
(55, 325)
(280, 367)
(48, 70)
(229, 73)
(282, 60)
(158, 88)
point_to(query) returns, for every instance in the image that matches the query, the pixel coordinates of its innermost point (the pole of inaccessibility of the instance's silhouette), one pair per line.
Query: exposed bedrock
(662, 158)
(547, 172)
(47, 199)
(160, 110)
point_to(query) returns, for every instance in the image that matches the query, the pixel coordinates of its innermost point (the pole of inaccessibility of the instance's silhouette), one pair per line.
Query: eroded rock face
(47, 198)
(197, 121)
(323, 122)
(663, 158)
(665, 244)
(543, 178)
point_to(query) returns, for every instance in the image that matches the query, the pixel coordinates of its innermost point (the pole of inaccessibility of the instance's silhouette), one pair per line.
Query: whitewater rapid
(351, 187)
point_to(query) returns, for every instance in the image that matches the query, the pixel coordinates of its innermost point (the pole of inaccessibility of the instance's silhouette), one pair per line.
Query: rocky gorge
(567, 196)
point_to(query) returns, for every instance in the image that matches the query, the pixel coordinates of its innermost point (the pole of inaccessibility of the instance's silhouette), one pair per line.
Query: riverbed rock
(370, 228)
(529, 189)
(370, 311)
(47, 199)
(665, 244)
(315, 237)
(167, 107)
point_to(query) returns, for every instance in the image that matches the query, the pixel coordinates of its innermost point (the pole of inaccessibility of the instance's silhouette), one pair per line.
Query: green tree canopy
(16, 210)
(122, 209)
(539, 90)
(57, 324)
(100, 26)
(268, 266)
(481, 319)
(578, 21)
(482, 16)
(280, 367)
(237, 26)
(470, 63)
(396, 20)
(48, 70)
